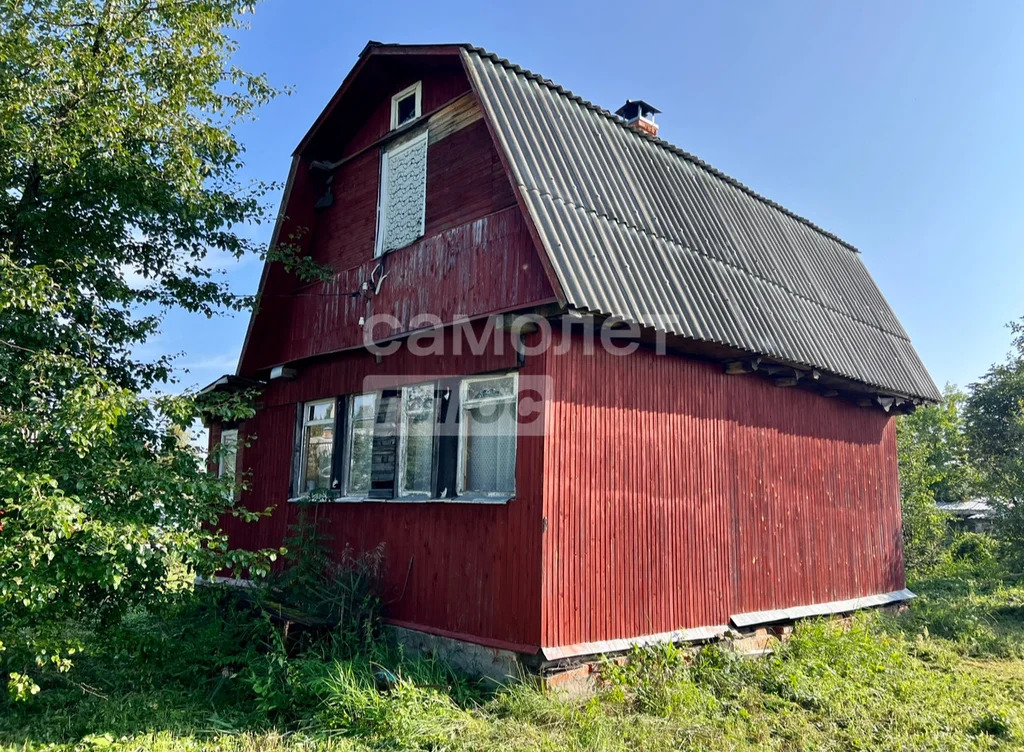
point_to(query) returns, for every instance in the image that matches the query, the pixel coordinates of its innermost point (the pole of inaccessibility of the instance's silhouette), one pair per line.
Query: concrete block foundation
(478, 661)
(579, 676)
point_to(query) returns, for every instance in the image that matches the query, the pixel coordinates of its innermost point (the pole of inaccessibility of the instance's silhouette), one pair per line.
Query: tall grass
(212, 672)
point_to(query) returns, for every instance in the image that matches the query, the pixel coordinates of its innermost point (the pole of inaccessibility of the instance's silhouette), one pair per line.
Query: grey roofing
(637, 228)
(972, 508)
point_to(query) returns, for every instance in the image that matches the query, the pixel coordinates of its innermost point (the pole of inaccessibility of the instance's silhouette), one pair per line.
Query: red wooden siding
(471, 270)
(267, 324)
(465, 179)
(343, 234)
(663, 495)
(441, 85)
(475, 569)
(676, 496)
(476, 256)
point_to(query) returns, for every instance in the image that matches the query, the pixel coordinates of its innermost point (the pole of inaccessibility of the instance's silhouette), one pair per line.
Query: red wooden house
(585, 388)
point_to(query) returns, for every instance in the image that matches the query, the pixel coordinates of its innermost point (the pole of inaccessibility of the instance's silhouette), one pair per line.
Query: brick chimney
(639, 115)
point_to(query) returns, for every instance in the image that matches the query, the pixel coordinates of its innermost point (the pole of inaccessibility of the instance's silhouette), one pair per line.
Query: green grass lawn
(947, 675)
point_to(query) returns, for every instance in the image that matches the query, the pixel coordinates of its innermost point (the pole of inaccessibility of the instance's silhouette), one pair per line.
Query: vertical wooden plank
(724, 494)
(654, 478)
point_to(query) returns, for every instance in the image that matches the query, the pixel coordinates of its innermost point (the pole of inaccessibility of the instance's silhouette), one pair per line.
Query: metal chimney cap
(634, 108)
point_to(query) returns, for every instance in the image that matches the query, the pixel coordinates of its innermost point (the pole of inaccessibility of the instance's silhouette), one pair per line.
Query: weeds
(320, 587)
(970, 602)
(213, 673)
(406, 714)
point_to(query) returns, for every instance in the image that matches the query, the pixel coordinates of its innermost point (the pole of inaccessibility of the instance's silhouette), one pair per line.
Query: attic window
(406, 105)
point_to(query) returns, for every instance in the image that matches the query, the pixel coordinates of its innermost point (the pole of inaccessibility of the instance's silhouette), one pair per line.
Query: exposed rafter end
(904, 406)
(889, 403)
(748, 365)
(786, 377)
(877, 400)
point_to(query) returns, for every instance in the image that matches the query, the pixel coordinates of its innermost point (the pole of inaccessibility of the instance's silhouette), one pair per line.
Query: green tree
(934, 466)
(117, 162)
(995, 430)
(937, 433)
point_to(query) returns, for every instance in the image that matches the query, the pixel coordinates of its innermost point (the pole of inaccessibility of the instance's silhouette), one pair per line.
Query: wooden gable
(476, 255)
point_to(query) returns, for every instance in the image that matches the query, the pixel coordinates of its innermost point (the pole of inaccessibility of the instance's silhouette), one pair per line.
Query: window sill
(366, 500)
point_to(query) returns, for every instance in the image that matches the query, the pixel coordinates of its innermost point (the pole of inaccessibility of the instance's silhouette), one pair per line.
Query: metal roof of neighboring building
(640, 229)
(971, 508)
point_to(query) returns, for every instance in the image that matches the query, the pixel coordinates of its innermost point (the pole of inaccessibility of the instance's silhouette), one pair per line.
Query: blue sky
(898, 126)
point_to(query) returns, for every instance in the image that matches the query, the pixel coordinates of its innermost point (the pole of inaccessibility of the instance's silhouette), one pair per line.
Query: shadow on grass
(218, 671)
(138, 679)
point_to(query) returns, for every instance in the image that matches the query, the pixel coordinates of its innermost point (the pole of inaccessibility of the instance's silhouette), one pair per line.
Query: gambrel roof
(637, 228)
(630, 226)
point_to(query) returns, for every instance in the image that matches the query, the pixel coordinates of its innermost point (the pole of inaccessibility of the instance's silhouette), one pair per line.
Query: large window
(317, 446)
(487, 436)
(390, 443)
(454, 439)
(403, 193)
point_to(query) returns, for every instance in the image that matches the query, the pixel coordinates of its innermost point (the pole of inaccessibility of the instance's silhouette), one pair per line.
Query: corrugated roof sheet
(973, 508)
(637, 228)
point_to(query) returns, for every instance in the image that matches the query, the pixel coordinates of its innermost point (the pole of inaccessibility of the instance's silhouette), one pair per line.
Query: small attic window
(406, 105)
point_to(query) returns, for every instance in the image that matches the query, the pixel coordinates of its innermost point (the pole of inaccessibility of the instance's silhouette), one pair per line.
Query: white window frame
(228, 437)
(460, 471)
(401, 494)
(383, 196)
(415, 90)
(300, 475)
(346, 460)
(403, 436)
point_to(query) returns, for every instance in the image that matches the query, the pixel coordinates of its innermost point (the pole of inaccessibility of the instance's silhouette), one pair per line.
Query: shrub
(343, 591)
(974, 548)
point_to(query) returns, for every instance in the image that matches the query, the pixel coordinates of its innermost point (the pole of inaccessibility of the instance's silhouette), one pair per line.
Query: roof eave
(274, 238)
